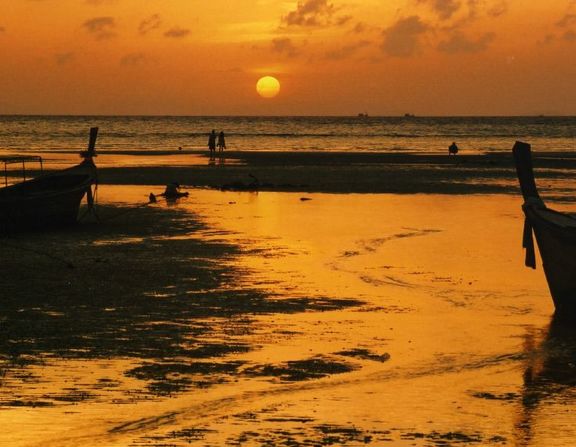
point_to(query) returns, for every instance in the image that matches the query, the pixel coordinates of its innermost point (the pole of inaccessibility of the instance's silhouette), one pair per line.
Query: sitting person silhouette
(452, 149)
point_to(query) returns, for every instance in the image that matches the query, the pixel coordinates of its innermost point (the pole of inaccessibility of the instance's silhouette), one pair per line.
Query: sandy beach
(290, 315)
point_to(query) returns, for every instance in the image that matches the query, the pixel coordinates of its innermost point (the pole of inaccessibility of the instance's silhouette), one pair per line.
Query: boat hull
(555, 234)
(47, 201)
(557, 246)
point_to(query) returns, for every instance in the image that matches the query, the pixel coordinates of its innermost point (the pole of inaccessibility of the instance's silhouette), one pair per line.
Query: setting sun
(268, 87)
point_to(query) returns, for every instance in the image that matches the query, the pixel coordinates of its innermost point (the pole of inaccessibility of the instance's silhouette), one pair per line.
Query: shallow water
(289, 319)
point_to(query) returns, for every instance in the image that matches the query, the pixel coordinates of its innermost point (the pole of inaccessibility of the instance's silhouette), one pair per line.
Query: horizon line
(359, 116)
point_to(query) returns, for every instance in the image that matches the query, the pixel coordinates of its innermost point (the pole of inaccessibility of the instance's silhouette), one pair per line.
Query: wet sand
(283, 318)
(332, 172)
(348, 173)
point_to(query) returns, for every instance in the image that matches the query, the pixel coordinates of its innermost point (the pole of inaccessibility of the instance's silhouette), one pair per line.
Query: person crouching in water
(172, 191)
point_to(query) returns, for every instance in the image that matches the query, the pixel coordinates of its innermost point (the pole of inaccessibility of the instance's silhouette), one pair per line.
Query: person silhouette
(452, 149)
(212, 142)
(221, 142)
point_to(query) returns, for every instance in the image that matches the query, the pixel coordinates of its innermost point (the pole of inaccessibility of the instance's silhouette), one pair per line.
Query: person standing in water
(221, 142)
(212, 142)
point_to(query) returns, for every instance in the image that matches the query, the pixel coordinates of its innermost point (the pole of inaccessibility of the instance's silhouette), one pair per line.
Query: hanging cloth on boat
(528, 245)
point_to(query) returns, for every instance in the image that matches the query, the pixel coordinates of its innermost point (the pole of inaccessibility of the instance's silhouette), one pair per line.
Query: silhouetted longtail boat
(52, 199)
(555, 234)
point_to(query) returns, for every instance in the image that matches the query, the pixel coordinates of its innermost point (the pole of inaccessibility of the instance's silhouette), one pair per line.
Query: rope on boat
(171, 192)
(528, 244)
(92, 199)
(157, 199)
(41, 253)
(126, 211)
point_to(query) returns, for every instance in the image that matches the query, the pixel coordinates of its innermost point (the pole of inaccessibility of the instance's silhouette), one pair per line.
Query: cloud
(567, 21)
(284, 45)
(177, 33)
(364, 29)
(403, 38)
(444, 8)
(465, 11)
(473, 7)
(347, 51)
(498, 9)
(569, 36)
(133, 59)
(64, 58)
(101, 27)
(567, 24)
(548, 39)
(359, 28)
(310, 13)
(150, 24)
(343, 20)
(459, 43)
(492, 8)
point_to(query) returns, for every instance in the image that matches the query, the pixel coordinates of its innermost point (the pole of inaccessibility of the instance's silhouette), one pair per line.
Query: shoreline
(341, 172)
(331, 172)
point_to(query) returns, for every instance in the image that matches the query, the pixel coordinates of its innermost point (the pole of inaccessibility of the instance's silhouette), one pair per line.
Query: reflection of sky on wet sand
(446, 295)
(435, 282)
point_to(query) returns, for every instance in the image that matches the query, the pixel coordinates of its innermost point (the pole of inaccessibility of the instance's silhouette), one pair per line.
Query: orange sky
(335, 57)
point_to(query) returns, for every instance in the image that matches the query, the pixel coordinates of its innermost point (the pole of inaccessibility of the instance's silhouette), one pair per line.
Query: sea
(414, 134)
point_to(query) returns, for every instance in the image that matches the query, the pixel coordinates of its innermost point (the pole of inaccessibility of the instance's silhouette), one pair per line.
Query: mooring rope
(153, 198)
(39, 252)
(134, 208)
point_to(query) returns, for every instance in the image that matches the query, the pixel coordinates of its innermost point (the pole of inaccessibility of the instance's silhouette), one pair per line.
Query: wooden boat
(555, 234)
(52, 199)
